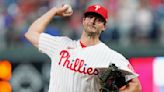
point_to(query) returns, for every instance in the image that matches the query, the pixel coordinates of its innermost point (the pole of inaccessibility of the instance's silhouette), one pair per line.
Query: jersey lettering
(76, 65)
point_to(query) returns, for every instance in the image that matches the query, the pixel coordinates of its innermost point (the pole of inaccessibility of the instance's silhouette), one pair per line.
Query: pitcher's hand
(133, 86)
(63, 11)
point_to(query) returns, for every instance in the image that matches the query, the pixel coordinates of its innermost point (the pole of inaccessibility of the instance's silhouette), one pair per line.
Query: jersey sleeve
(49, 44)
(122, 63)
(128, 70)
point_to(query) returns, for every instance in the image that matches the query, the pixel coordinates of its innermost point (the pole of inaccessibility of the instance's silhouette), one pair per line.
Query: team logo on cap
(97, 7)
(99, 10)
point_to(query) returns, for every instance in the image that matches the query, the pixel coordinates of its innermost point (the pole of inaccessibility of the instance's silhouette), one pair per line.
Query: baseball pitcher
(83, 65)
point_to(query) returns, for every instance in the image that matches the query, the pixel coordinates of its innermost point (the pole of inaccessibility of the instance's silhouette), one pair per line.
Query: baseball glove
(111, 79)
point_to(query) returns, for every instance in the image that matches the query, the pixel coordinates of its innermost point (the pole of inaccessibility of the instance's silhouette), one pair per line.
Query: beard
(92, 30)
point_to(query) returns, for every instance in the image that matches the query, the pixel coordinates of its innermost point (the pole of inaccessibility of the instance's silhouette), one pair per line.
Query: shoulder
(113, 54)
(48, 40)
(111, 51)
(45, 35)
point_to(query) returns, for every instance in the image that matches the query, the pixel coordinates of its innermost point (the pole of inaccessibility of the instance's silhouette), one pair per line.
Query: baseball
(69, 10)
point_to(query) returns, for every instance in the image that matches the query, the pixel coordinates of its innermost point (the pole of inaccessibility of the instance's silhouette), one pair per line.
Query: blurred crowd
(130, 21)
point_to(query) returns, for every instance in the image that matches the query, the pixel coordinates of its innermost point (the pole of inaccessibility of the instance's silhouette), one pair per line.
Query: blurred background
(135, 28)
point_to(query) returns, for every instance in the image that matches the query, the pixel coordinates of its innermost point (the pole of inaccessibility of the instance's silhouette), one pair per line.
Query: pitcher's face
(93, 24)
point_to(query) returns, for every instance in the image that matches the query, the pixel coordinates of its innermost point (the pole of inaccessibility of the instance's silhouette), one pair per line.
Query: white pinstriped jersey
(73, 68)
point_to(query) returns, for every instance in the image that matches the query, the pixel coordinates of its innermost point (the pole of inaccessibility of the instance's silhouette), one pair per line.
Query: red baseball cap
(99, 10)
